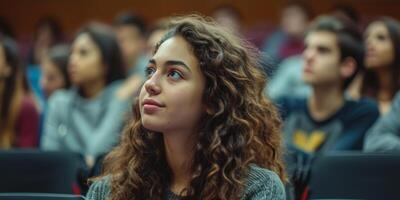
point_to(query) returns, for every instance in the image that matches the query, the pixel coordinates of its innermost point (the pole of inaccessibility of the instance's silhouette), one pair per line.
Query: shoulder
(396, 102)
(61, 96)
(99, 190)
(28, 105)
(287, 105)
(364, 107)
(263, 184)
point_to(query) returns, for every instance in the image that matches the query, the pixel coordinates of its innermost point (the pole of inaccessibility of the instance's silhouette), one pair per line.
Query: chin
(372, 64)
(151, 125)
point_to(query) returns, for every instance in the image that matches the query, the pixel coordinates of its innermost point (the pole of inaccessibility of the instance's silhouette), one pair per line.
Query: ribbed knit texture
(261, 184)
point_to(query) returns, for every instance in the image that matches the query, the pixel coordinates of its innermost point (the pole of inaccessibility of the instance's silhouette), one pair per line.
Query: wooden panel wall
(23, 14)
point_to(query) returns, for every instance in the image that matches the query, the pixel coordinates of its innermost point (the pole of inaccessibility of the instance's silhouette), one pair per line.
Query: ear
(348, 67)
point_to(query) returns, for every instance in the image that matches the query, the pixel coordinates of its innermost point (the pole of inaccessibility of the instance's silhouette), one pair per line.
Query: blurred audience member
(229, 17)
(54, 75)
(132, 85)
(131, 34)
(287, 81)
(288, 39)
(19, 118)
(54, 67)
(326, 120)
(382, 61)
(88, 118)
(48, 33)
(156, 33)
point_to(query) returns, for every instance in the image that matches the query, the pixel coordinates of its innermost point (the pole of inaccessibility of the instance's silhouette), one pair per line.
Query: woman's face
(171, 98)
(52, 78)
(85, 63)
(380, 49)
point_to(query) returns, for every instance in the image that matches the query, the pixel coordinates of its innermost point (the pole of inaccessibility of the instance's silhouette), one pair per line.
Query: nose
(307, 54)
(72, 60)
(368, 44)
(152, 85)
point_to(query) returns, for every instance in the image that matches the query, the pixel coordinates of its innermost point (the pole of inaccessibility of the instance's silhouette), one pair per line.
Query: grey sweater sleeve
(263, 184)
(110, 128)
(99, 190)
(384, 136)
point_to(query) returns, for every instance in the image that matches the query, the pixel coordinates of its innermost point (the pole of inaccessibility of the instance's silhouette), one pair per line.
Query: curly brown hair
(242, 128)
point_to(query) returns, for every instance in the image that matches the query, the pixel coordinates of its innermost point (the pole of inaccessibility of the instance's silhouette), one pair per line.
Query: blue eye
(175, 75)
(149, 71)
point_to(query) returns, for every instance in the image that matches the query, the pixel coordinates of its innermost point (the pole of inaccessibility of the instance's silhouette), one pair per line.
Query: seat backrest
(39, 171)
(39, 196)
(355, 175)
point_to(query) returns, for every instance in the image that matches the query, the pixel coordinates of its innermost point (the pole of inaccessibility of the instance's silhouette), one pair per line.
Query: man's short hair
(349, 39)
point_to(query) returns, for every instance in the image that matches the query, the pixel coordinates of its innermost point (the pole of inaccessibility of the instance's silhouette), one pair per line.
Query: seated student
(54, 75)
(47, 34)
(130, 30)
(326, 120)
(54, 70)
(381, 79)
(204, 129)
(88, 117)
(384, 136)
(19, 117)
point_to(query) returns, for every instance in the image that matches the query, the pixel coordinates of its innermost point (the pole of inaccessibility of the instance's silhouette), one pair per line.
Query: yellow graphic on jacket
(308, 142)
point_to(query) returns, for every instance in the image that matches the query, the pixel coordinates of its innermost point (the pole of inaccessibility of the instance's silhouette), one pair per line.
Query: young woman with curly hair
(203, 127)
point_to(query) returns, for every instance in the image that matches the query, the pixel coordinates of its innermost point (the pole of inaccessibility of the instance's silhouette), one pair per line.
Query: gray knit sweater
(87, 126)
(384, 136)
(261, 184)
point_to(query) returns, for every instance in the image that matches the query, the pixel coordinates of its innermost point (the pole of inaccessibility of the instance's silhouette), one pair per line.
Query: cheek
(328, 68)
(189, 102)
(387, 54)
(142, 94)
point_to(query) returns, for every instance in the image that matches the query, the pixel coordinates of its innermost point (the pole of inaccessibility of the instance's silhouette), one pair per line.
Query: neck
(385, 84)
(92, 89)
(179, 157)
(325, 101)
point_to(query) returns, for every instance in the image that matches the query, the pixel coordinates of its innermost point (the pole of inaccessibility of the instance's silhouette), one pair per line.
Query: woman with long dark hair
(382, 60)
(203, 128)
(88, 117)
(19, 118)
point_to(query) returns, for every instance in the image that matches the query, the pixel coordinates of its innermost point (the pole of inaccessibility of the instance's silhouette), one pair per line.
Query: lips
(152, 102)
(151, 106)
(307, 69)
(370, 54)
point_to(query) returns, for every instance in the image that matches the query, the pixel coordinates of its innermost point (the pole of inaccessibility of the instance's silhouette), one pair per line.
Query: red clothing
(27, 125)
(291, 47)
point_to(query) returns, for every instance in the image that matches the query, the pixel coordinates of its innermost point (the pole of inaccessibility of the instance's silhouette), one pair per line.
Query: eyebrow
(172, 62)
